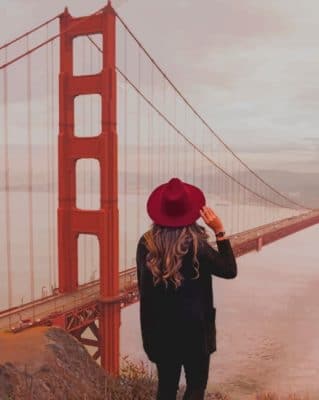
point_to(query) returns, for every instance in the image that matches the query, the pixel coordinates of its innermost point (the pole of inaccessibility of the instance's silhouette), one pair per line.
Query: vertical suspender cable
(231, 194)
(231, 205)
(202, 160)
(230, 190)
(238, 200)
(125, 224)
(49, 205)
(168, 146)
(194, 155)
(254, 199)
(159, 134)
(245, 208)
(247, 204)
(30, 166)
(250, 203)
(139, 144)
(7, 184)
(84, 260)
(53, 169)
(239, 203)
(270, 212)
(170, 166)
(185, 144)
(262, 212)
(258, 202)
(152, 130)
(223, 179)
(212, 177)
(246, 201)
(261, 209)
(176, 152)
(149, 185)
(91, 167)
(278, 209)
(165, 149)
(265, 210)
(218, 172)
(218, 175)
(226, 180)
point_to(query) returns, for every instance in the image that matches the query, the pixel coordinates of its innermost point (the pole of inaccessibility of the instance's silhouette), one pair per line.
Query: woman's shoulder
(142, 242)
(141, 248)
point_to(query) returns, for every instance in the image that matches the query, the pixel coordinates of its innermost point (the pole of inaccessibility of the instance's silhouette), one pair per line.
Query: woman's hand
(211, 219)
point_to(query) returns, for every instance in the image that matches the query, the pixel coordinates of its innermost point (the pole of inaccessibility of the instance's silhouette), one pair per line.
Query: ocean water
(267, 322)
(267, 317)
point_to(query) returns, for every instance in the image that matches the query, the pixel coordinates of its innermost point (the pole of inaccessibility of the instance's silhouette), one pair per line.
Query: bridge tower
(72, 221)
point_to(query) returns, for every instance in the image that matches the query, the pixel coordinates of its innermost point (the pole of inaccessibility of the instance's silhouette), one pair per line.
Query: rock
(47, 363)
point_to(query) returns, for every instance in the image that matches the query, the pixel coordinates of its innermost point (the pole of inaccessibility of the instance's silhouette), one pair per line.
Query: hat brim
(155, 211)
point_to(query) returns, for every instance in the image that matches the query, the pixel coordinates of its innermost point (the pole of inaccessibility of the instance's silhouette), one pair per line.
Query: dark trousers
(196, 374)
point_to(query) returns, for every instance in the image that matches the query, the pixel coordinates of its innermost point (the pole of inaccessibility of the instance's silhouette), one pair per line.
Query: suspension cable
(51, 39)
(202, 119)
(179, 132)
(190, 142)
(30, 31)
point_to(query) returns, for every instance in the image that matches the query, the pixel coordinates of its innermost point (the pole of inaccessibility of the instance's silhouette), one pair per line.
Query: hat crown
(175, 203)
(175, 197)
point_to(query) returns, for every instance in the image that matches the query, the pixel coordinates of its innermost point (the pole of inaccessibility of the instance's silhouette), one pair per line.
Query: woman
(174, 268)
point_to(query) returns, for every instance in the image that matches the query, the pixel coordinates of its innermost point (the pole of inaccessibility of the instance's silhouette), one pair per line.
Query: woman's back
(174, 268)
(182, 316)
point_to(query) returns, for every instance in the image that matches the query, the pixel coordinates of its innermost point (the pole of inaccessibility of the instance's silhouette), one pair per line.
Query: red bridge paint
(103, 223)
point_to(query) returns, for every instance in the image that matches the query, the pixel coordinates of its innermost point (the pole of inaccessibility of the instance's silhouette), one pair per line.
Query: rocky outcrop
(47, 363)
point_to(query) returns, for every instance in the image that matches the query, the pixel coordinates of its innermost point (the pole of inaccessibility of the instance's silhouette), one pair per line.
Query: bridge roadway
(48, 308)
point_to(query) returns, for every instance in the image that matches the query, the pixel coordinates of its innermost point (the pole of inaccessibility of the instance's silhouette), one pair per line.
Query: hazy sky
(250, 67)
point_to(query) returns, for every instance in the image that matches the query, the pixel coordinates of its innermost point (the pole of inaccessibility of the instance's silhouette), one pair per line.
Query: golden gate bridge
(90, 124)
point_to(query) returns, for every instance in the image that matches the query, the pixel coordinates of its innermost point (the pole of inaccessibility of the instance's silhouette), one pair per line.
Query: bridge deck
(251, 240)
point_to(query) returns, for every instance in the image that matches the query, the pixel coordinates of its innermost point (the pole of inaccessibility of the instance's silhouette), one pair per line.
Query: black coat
(175, 322)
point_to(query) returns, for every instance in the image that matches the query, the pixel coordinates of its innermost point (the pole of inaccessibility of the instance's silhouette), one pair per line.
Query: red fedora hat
(175, 203)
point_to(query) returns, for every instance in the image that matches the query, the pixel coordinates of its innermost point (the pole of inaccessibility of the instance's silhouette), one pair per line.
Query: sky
(249, 67)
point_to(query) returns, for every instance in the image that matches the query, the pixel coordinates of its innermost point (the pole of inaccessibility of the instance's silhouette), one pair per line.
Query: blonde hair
(167, 246)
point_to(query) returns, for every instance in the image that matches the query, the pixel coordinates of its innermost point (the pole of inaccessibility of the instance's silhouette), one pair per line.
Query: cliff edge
(47, 363)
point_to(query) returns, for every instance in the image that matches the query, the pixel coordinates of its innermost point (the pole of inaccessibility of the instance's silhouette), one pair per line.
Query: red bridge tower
(73, 221)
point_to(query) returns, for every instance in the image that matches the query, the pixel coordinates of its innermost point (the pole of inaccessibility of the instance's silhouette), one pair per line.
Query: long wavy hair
(167, 246)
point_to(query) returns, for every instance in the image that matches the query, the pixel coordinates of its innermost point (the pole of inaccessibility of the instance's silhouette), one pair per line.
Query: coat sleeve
(139, 262)
(146, 303)
(140, 265)
(221, 263)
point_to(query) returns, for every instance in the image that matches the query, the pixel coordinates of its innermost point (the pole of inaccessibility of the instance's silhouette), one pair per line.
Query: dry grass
(138, 382)
(135, 382)
(274, 396)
